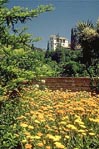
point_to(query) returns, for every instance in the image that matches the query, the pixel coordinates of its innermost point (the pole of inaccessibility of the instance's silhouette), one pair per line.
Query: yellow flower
(63, 123)
(78, 121)
(91, 133)
(49, 136)
(81, 131)
(65, 118)
(40, 144)
(27, 114)
(28, 146)
(36, 121)
(27, 133)
(94, 120)
(23, 125)
(72, 127)
(82, 126)
(21, 117)
(39, 134)
(59, 145)
(36, 137)
(56, 138)
(84, 134)
(24, 141)
(67, 137)
(97, 120)
(48, 147)
(30, 127)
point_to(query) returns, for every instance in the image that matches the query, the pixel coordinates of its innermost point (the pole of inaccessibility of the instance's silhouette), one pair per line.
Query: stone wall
(68, 83)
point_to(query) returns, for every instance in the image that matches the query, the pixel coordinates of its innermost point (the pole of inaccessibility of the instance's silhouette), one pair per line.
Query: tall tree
(88, 35)
(15, 44)
(74, 40)
(10, 17)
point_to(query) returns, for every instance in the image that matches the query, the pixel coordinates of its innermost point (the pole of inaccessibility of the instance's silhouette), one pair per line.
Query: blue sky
(65, 16)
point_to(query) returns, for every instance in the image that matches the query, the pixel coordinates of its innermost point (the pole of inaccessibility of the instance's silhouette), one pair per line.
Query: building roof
(58, 36)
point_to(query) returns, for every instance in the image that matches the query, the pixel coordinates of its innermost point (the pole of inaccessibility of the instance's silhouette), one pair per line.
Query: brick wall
(69, 83)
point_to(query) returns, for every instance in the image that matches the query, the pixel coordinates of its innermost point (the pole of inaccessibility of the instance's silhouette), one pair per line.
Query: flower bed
(50, 120)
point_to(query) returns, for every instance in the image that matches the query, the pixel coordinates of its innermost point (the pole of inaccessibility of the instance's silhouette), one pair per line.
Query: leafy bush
(19, 66)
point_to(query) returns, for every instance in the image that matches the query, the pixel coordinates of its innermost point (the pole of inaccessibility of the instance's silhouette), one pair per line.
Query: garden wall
(69, 83)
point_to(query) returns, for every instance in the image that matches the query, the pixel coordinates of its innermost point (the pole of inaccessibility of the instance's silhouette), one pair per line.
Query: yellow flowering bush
(56, 120)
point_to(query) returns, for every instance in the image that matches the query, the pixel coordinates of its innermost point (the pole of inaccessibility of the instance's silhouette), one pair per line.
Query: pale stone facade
(56, 41)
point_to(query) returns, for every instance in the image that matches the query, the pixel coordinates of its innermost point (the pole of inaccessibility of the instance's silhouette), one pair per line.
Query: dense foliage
(18, 61)
(88, 38)
(23, 65)
(70, 63)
